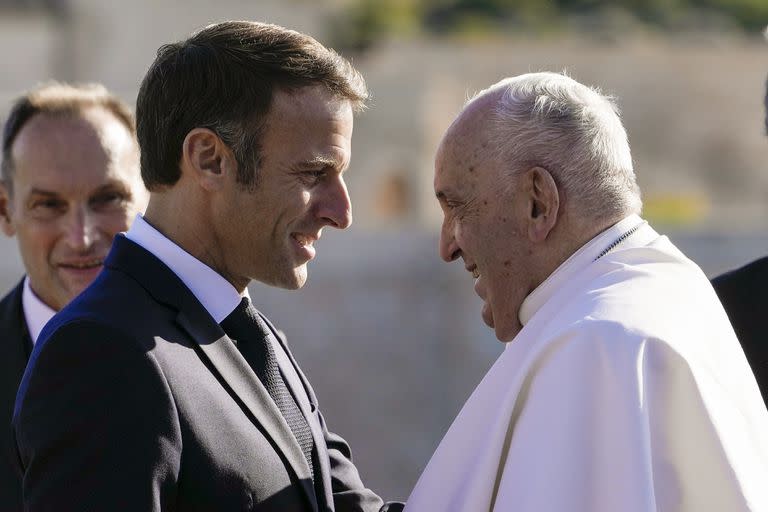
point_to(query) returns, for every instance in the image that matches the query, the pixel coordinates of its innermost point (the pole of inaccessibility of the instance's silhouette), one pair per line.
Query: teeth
(89, 264)
(303, 240)
(475, 273)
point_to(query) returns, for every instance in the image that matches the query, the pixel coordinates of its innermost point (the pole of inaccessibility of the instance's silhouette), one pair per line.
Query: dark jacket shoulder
(15, 346)
(744, 294)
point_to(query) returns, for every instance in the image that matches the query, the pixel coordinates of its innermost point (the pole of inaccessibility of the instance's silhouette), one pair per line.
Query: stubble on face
(305, 147)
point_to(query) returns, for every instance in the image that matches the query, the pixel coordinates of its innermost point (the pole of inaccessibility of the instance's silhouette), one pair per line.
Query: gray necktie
(253, 337)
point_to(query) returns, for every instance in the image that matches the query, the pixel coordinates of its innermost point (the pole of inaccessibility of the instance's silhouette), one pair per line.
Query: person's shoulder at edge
(749, 271)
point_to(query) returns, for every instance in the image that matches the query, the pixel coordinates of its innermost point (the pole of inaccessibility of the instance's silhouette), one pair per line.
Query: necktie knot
(239, 324)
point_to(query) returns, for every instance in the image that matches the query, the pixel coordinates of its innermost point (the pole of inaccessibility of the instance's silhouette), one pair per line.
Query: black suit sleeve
(349, 493)
(96, 425)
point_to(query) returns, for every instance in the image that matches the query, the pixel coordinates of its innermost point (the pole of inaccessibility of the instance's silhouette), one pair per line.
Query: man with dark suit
(161, 387)
(744, 294)
(70, 182)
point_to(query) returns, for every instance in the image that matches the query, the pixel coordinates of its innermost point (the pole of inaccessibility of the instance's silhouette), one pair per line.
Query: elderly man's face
(75, 185)
(483, 221)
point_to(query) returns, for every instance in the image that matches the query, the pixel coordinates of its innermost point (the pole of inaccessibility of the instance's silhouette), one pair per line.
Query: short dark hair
(223, 78)
(61, 100)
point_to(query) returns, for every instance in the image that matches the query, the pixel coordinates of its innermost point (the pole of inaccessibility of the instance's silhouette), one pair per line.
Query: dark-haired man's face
(305, 147)
(76, 183)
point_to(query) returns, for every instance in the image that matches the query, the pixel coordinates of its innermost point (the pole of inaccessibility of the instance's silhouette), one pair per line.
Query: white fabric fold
(626, 390)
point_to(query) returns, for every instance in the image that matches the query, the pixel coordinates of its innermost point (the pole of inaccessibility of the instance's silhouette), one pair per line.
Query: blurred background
(390, 336)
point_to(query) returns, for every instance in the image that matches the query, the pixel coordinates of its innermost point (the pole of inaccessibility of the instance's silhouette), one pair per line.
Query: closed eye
(312, 177)
(48, 204)
(107, 199)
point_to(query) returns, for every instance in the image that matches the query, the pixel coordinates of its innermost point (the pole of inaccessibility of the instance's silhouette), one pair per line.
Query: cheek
(471, 232)
(36, 241)
(297, 206)
(114, 223)
(110, 223)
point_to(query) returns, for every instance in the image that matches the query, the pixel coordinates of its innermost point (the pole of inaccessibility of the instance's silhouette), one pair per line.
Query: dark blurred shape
(745, 297)
(55, 6)
(393, 200)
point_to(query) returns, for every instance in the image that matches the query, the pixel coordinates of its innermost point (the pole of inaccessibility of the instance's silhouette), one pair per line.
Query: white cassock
(625, 391)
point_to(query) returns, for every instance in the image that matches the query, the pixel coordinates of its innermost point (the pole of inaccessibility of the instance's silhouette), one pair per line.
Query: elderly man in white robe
(622, 387)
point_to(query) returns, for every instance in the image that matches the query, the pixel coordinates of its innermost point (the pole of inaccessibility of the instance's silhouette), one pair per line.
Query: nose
(335, 205)
(81, 229)
(449, 249)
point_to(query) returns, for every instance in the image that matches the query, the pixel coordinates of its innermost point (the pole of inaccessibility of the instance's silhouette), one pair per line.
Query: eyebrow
(42, 192)
(319, 161)
(115, 185)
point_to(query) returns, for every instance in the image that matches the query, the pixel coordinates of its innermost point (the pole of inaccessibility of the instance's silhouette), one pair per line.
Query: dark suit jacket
(15, 346)
(134, 399)
(744, 294)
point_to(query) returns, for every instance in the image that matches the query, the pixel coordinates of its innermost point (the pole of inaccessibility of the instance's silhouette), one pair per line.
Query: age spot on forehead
(471, 168)
(507, 263)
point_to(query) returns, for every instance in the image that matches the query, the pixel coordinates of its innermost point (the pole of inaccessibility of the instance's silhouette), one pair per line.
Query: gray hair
(573, 131)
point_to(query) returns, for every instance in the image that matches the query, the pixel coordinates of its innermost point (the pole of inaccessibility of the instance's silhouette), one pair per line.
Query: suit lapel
(15, 347)
(216, 347)
(224, 356)
(16, 343)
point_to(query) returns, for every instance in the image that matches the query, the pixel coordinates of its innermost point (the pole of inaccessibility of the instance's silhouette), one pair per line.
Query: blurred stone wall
(692, 108)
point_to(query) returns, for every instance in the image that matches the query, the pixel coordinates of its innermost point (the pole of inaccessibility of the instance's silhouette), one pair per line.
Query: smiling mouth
(83, 265)
(472, 269)
(304, 240)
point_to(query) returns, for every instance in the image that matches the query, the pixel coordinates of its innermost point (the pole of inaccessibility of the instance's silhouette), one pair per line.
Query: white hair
(573, 131)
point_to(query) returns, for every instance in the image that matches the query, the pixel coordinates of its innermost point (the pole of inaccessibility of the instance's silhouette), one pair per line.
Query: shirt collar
(215, 293)
(36, 312)
(574, 264)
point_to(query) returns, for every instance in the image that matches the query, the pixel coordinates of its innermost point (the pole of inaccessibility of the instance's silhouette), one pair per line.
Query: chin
(294, 279)
(507, 333)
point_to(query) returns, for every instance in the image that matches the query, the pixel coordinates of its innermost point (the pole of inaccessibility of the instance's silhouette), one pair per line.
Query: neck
(569, 235)
(192, 230)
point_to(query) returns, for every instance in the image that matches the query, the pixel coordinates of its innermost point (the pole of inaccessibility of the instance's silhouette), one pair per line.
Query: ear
(207, 158)
(543, 203)
(5, 210)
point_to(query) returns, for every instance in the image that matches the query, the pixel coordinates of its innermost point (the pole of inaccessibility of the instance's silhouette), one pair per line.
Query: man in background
(744, 294)
(161, 387)
(622, 386)
(70, 182)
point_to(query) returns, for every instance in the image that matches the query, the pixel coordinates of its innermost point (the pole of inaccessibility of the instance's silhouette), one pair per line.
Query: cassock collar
(575, 263)
(36, 312)
(215, 293)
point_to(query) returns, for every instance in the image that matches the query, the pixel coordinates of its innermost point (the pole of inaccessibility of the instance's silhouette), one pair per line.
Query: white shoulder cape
(626, 391)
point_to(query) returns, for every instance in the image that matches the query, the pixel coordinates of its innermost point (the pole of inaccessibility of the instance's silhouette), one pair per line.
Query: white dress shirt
(36, 312)
(215, 293)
